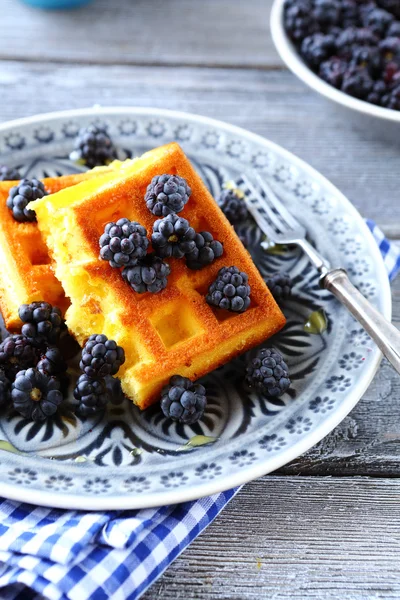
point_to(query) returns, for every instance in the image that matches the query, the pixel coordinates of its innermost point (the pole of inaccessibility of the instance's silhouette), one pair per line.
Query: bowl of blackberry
(346, 50)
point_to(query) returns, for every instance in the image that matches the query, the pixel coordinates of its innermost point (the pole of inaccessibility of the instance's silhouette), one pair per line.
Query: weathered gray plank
(286, 537)
(273, 104)
(210, 32)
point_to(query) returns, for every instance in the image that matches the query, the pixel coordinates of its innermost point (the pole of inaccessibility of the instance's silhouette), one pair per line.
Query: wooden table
(328, 524)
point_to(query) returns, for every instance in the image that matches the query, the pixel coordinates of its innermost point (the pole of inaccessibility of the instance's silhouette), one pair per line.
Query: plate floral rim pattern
(281, 431)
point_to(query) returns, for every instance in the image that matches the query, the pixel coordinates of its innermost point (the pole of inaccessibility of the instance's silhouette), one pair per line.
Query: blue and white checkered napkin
(70, 555)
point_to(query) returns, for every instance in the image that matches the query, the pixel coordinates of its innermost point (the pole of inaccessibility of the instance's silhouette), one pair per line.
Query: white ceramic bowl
(385, 121)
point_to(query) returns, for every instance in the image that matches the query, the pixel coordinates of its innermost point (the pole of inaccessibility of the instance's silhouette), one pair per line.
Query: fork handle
(384, 334)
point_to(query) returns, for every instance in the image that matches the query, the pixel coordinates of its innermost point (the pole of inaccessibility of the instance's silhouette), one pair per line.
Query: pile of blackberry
(124, 244)
(32, 368)
(100, 360)
(354, 46)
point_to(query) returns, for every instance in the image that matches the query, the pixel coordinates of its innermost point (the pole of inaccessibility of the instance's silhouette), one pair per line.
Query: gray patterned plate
(131, 459)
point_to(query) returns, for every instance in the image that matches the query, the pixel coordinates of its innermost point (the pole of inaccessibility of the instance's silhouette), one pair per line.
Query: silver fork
(281, 227)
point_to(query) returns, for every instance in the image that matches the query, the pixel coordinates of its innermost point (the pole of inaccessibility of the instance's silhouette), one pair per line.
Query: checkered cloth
(70, 555)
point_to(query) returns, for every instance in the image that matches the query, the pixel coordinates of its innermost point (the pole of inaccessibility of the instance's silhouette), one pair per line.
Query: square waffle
(174, 331)
(26, 270)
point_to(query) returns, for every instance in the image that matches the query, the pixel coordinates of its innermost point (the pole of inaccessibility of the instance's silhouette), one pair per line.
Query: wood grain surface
(273, 104)
(333, 532)
(156, 32)
(295, 537)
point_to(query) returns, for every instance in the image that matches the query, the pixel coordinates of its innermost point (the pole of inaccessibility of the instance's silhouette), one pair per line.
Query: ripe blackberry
(390, 49)
(17, 353)
(327, 12)
(94, 147)
(123, 243)
(357, 82)
(52, 362)
(379, 90)
(183, 401)
(332, 71)
(280, 286)
(391, 6)
(35, 395)
(230, 290)
(350, 14)
(394, 30)
(150, 275)
(392, 99)
(377, 20)
(232, 205)
(367, 57)
(353, 37)
(173, 236)
(316, 48)
(101, 357)
(299, 19)
(92, 395)
(9, 173)
(167, 194)
(205, 252)
(42, 322)
(114, 389)
(5, 388)
(267, 373)
(19, 197)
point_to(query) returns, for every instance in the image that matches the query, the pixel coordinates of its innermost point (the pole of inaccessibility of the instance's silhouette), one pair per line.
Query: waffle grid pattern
(174, 331)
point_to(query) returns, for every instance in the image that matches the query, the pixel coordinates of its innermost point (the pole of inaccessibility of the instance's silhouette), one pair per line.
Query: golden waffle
(26, 272)
(174, 331)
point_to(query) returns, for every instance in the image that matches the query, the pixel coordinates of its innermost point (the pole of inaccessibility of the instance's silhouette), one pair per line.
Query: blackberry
(205, 252)
(123, 243)
(92, 395)
(299, 19)
(9, 173)
(390, 74)
(327, 12)
(316, 48)
(52, 362)
(94, 147)
(333, 70)
(350, 14)
(390, 49)
(42, 322)
(114, 389)
(173, 236)
(167, 194)
(391, 6)
(367, 57)
(378, 92)
(230, 290)
(150, 275)
(394, 30)
(377, 20)
(183, 401)
(35, 395)
(5, 388)
(17, 353)
(392, 99)
(280, 286)
(267, 373)
(353, 37)
(101, 357)
(19, 197)
(357, 82)
(232, 205)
